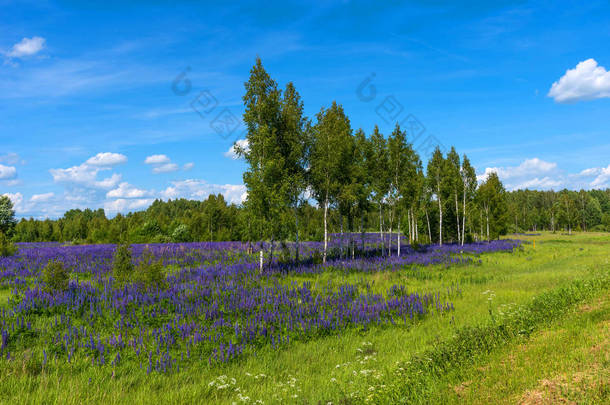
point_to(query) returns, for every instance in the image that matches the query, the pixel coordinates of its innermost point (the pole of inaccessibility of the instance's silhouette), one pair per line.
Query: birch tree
(293, 147)
(469, 186)
(264, 178)
(436, 178)
(379, 175)
(330, 143)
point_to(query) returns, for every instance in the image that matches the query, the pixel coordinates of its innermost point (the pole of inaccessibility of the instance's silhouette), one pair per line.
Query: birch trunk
(487, 220)
(325, 228)
(457, 215)
(464, 217)
(296, 222)
(440, 221)
(381, 231)
(429, 231)
(398, 238)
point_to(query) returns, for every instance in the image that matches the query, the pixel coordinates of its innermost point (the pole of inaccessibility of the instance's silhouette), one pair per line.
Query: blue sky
(95, 110)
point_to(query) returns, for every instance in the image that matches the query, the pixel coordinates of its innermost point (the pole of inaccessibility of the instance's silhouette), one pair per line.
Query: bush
(122, 267)
(181, 234)
(149, 272)
(7, 248)
(55, 276)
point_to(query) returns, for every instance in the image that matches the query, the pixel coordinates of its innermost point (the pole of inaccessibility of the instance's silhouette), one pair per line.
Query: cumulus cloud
(38, 198)
(123, 205)
(587, 81)
(27, 47)
(166, 168)
(106, 159)
(241, 144)
(526, 170)
(163, 164)
(157, 159)
(7, 172)
(85, 176)
(126, 190)
(602, 179)
(200, 190)
(542, 175)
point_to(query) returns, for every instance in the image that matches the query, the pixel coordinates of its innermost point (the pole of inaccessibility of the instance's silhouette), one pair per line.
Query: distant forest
(215, 220)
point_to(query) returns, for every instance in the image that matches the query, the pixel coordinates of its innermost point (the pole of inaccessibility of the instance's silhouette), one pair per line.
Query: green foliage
(56, 276)
(7, 215)
(149, 272)
(492, 200)
(122, 266)
(7, 248)
(181, 233)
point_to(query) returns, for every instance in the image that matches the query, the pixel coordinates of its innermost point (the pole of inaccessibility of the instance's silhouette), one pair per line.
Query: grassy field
(562, 354)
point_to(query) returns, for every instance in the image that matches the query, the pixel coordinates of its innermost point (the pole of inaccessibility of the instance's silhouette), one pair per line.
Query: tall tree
(329, 153)
(455, 184)
(264, 177)
(7, 215)
(492, 199)
(362, 159)
(380, 181)
(294, 149)
(469, 187)
(437, 180)
(403, 164)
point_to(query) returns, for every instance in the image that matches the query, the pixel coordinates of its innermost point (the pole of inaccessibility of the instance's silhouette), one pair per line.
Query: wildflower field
(435, 324)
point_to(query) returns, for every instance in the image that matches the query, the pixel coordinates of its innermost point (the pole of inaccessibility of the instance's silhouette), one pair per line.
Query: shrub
(122, 267)
(181, 233)
(55, 276)
(7, 248)
(149, 272)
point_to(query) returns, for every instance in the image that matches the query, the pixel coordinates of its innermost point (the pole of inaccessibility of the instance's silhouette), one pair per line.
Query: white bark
(457, 215)
(325, 228)
(464, 216)
(398, 237)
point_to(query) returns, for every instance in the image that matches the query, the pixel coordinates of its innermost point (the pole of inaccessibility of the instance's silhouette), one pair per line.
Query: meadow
(515, 320)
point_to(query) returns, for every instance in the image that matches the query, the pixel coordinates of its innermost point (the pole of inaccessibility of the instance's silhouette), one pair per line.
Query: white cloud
(37, 198)
(602, 180)
(84, 175)
(587, 81)
(166, 168)
(529, 167)
(126, 190)
(232, 152)
(541, 175)
(200, 190)
(106, 159)
(7, 172)
(188, 166)
(27, 47)
(157, 160)
(122, 205)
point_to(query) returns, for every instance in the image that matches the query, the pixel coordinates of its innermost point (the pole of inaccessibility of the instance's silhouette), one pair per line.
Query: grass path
(568, 362)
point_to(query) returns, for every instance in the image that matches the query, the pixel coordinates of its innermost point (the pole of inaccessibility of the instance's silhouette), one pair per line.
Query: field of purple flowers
(216, 304)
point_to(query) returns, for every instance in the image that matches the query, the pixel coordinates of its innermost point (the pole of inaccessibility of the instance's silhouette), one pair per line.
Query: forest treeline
(307, 178)
(215, 220)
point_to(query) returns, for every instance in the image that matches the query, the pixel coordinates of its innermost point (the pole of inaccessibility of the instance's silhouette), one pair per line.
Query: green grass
(355, 365)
